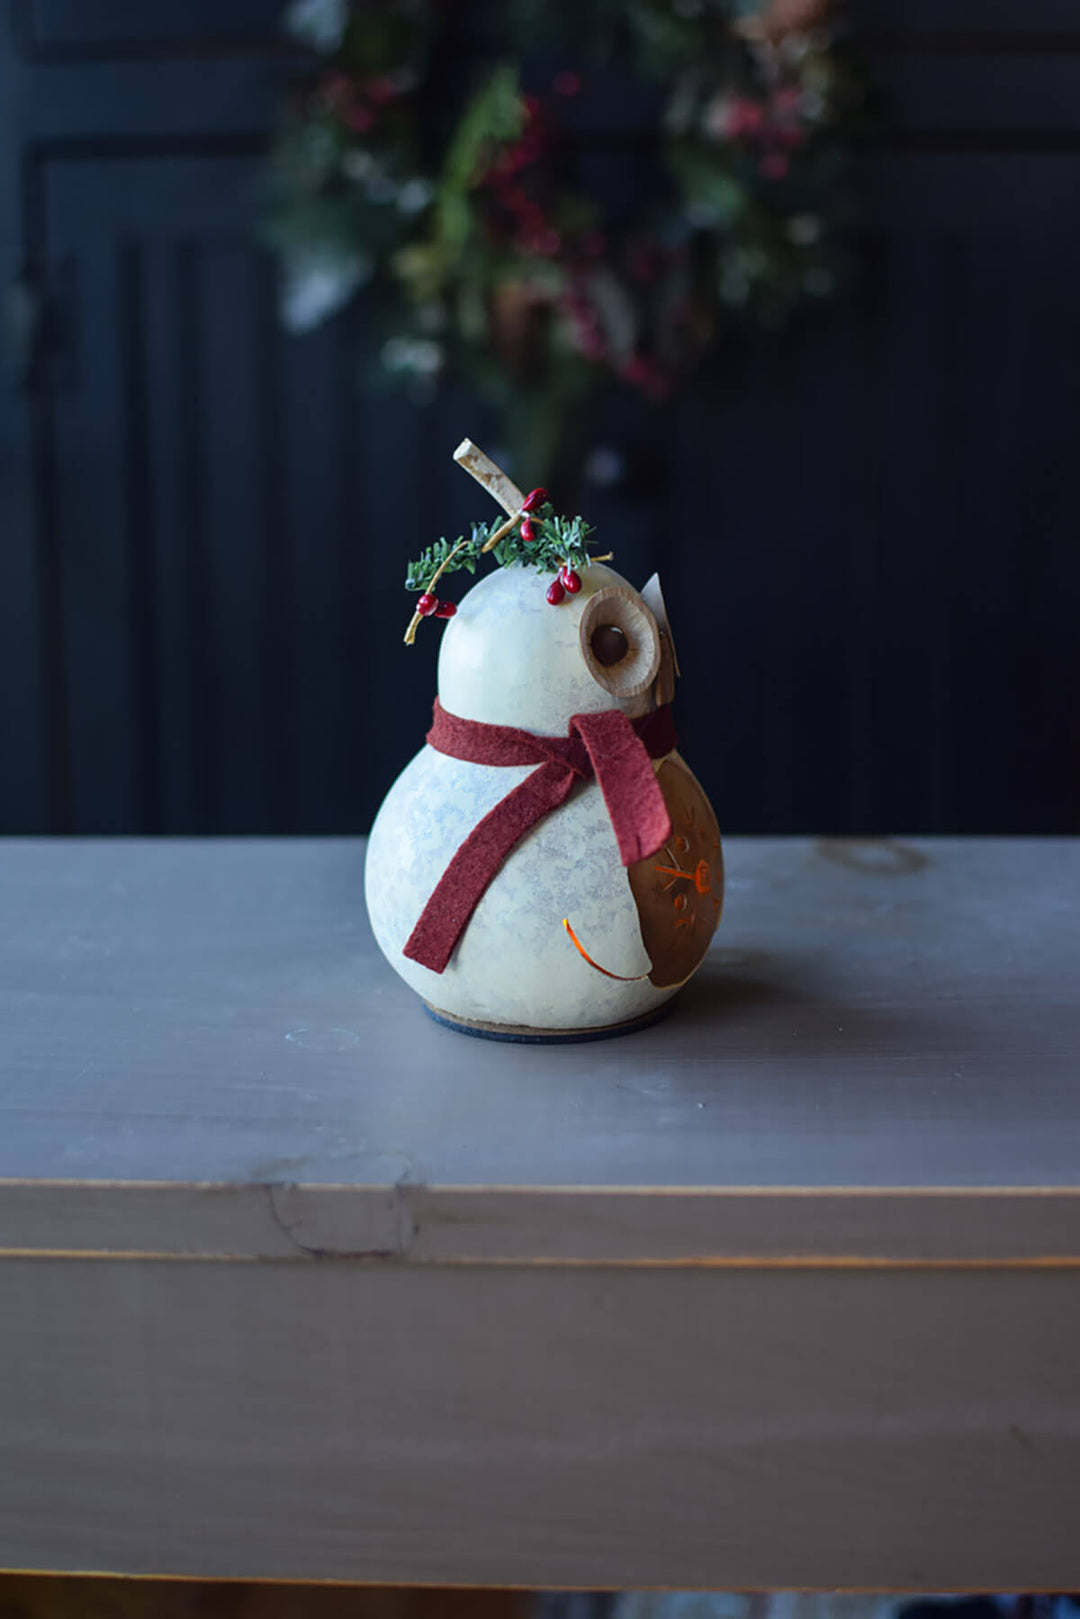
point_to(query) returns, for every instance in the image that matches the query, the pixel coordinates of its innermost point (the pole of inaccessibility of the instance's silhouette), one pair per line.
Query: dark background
(867, 527)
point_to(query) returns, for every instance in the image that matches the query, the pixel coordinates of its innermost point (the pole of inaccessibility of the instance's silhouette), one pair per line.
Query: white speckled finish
(510, 658)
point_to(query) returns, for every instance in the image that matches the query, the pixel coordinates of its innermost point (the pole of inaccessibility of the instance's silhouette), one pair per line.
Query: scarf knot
(617, 751)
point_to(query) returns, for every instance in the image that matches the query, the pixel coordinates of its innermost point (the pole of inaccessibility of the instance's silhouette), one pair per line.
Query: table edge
(409, 1223)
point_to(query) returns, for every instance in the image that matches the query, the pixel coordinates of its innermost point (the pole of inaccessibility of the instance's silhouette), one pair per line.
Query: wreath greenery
(481, 221)
(556, 542)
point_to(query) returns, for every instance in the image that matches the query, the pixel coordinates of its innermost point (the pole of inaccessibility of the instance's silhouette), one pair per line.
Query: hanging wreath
(479, 222)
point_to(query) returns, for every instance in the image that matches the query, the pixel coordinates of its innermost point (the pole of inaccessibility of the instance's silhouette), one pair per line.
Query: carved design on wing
(679, 892)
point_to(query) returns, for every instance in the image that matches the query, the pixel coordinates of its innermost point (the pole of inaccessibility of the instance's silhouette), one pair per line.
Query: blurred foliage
(469, 205)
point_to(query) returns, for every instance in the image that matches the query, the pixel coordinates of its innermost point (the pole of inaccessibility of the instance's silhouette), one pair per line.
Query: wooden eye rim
(619, 606)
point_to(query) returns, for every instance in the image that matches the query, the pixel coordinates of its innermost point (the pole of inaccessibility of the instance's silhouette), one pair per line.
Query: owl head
(552, 631)
(508, 657)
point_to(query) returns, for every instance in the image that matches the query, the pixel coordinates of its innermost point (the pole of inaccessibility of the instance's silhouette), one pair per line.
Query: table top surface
(872, 1015)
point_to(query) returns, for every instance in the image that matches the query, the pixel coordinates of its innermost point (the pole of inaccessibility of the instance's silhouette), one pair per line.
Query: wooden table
(783, 1291)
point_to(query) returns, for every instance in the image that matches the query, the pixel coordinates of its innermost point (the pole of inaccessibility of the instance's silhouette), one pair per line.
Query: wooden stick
(501, 488)
(493, 478)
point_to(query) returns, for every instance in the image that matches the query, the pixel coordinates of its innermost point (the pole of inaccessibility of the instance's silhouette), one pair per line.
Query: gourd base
(522, 1035)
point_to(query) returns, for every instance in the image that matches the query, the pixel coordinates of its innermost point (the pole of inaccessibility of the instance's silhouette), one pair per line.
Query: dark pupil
(609, 644)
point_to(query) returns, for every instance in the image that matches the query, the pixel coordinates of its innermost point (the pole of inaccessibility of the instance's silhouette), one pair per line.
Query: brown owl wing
(679, 891)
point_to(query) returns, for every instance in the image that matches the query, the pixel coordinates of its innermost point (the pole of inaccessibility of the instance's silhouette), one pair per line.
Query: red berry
(555, 593)
(528, 530)
(427, 604)
(535, 498)
(546, 243)
(382, 90)
(571, 581)
(592, 344)
(446, 610)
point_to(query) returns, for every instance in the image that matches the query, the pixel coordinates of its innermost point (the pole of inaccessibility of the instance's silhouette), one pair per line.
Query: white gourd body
(510, 658)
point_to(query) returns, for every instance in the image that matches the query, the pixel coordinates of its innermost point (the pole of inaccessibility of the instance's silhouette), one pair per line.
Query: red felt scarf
(608, 745)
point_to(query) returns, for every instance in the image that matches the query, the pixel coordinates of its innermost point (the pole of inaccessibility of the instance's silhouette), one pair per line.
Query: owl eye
(620, 641)
(609, 644)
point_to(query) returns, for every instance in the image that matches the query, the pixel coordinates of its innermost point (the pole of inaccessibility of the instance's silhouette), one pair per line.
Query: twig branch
(493, 478)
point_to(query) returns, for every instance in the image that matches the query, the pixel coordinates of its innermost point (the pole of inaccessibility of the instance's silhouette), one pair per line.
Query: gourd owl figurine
(546, 866)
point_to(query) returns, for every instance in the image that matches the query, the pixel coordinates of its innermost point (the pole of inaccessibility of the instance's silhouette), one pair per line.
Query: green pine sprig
(419, 572)
(557, 540)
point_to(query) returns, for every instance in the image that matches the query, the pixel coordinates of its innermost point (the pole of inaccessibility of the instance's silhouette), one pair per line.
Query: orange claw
(580, 948)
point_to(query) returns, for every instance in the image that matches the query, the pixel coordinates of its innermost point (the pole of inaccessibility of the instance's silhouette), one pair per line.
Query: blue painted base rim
(542, 1037)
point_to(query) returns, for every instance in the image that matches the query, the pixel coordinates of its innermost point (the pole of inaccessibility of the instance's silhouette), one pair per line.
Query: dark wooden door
(867, 526)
